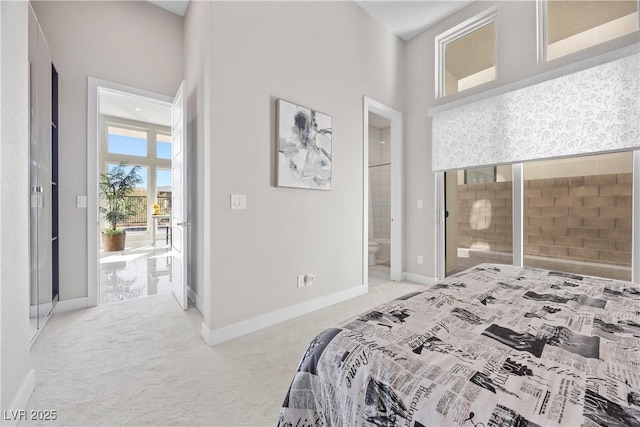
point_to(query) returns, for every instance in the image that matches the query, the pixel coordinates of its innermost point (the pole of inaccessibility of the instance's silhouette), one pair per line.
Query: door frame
(93, 219)
(397, 202)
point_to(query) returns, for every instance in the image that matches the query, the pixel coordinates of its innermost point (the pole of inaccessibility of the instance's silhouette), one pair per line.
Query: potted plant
(115, 186)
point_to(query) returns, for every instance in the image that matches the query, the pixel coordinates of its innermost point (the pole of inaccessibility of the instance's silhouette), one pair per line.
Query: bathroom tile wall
(380, 181)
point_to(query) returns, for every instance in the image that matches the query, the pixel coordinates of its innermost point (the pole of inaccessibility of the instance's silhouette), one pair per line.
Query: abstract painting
(304, 147)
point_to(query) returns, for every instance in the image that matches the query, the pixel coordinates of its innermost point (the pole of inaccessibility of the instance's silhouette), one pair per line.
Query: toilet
(374, 247)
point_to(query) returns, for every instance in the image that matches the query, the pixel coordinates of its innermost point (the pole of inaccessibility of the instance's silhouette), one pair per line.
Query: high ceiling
(134, 108)
(404, 18)
(179, 7)
(408, 18)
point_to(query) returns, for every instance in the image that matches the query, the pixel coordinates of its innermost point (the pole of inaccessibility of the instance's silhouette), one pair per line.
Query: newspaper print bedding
(495, 345)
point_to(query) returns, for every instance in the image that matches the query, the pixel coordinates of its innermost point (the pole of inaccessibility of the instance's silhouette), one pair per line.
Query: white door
(179, 219)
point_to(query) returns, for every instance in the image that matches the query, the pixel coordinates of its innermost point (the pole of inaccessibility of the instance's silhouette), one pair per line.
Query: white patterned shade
(590, 111)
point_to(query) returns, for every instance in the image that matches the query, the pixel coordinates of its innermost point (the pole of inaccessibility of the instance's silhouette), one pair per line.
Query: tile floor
(144, 271)
(135, 273)
(379, 274)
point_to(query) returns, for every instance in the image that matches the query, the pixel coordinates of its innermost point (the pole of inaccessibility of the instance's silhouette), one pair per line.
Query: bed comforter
(495, 345)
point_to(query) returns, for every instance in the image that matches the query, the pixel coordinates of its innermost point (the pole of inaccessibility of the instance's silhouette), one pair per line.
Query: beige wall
(516, 59)
(323, 55)
(14, 202)
(195, 36)
(133, 43)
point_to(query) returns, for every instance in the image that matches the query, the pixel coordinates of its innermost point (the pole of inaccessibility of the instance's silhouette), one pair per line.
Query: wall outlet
(301, 281)
(420, 260)
(309, 279)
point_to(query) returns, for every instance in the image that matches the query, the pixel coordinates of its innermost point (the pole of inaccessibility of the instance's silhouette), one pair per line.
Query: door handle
(183, 224)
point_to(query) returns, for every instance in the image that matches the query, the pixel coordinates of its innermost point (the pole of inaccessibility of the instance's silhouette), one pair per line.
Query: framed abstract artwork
(303, 140)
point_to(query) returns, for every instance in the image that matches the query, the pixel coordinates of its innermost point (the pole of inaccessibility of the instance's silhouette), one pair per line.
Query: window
(575, 25)
(163, 190)
(577, 215)
(163, 146)
(479, 217)
(136, 201)
(149, 146)
(467, 55)
(129, 142)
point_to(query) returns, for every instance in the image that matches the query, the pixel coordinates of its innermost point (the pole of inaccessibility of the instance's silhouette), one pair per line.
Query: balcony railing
(138, 205)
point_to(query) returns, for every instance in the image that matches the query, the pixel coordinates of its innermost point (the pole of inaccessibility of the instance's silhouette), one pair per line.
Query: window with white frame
(148, 146)
(566, 27)
(466, 55)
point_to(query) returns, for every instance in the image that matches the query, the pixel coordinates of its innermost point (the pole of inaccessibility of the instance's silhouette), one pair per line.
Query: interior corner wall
(14, 201)
(516, 53)
(133, 43)
(195, 35)
(322, 55)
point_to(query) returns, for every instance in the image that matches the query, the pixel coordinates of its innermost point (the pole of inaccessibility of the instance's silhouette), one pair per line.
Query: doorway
(382, 194)
(135, 141)
(133, 129)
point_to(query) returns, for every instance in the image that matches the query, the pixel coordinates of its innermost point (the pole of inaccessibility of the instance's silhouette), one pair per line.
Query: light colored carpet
(143, 362)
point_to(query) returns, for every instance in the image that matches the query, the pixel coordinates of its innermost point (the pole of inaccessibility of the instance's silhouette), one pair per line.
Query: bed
(495, 345)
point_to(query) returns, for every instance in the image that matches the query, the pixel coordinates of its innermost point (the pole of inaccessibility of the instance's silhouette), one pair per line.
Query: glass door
(478, 217)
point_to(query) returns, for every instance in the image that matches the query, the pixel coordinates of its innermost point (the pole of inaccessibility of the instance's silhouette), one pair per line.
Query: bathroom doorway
(382, 194)
(379, 232)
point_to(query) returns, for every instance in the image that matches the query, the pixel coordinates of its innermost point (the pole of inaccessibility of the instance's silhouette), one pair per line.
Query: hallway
(135, 273)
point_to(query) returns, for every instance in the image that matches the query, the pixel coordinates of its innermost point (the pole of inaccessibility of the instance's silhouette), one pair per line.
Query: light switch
(81, 201)
(420, 204)
(238, 201)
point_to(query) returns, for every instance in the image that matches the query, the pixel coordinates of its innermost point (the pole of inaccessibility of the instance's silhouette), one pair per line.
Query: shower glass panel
(479, 217)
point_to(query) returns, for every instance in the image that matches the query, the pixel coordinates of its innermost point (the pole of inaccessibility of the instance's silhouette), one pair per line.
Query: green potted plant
(115, 186)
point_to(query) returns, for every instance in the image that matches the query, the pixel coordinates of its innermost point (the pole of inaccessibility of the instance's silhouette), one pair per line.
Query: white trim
(542, 32)
(440, 232)
(365, 193)
(574, 67)
(635, 236)
(229, 332)
(397, 186)
(71, 304)
(470, 25)
(20, 401)
(517, 185)
(195, 298)
(93, 219)
(419, 278)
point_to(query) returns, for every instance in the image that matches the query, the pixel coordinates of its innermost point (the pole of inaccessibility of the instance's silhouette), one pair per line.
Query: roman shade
(593, 110)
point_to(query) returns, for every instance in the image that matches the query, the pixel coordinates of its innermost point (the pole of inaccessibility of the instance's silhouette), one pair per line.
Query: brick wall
(485, 216)
(585, 218)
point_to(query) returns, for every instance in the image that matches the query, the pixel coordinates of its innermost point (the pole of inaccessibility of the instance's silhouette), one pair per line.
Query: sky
(138, 147)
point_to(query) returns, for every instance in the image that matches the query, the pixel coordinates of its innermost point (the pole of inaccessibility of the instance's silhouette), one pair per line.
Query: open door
(179, 219)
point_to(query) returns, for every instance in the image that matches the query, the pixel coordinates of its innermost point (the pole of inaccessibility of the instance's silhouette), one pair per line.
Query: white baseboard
(41, 309)
(71, 304)
(229, 332)
(418, 278)
(15, 413)
(195, 298)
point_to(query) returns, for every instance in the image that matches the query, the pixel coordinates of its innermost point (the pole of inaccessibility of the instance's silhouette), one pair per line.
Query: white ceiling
(409, 18)
(133, 108)
(179, 7)
(378, 122)
(405, 18)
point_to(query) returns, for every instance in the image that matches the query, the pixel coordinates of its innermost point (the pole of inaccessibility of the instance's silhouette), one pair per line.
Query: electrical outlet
(420, 260)
(301, 281)
(309, 279)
